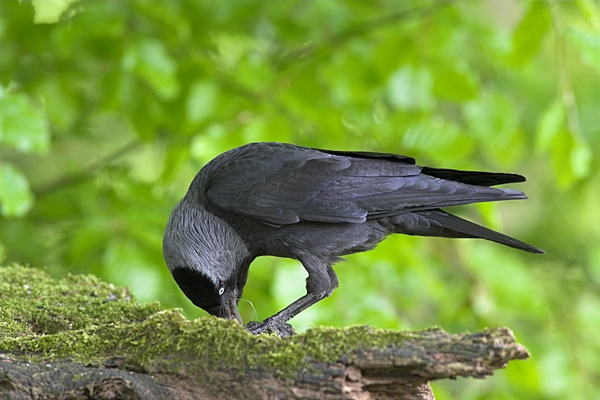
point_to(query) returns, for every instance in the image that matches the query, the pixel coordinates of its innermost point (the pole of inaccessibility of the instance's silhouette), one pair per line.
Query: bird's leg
(278, 322)
(321, 282)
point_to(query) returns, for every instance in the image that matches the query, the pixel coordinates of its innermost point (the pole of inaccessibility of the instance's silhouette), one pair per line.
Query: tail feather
(473, 177)
(442, 224)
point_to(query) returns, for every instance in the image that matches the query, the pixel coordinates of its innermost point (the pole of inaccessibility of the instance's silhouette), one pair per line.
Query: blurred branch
(312, 49)
(565, 86)
(87, 173)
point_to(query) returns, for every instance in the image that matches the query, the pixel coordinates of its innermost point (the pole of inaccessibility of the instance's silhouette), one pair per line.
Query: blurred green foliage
(109, 108)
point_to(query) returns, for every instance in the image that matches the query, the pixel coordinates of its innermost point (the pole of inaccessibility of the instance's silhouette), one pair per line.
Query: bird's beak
(227, 309)
(232, 310)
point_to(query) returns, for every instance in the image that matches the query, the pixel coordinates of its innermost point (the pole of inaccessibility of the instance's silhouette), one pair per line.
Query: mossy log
(80, 338)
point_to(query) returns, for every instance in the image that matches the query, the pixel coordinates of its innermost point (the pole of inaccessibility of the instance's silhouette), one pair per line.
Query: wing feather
(283, 184)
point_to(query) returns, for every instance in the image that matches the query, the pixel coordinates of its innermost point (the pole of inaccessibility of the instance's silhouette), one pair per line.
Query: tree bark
(399, 371)
(81, 338)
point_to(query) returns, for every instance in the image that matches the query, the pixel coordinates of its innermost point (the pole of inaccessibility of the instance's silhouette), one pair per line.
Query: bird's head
(217, 298)
(207, 258)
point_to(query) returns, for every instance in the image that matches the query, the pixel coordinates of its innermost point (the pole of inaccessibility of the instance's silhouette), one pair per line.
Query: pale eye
(221, 291)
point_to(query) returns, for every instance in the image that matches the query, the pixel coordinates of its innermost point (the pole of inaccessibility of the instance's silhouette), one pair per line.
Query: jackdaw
(313, 206)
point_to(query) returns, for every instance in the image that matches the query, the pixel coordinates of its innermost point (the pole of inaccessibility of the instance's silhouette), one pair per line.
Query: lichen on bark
(88, 328)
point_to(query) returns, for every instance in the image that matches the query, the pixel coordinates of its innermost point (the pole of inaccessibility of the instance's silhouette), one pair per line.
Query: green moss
(84, 319)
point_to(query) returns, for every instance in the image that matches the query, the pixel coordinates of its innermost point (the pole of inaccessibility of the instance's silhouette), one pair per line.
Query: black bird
(314, 206)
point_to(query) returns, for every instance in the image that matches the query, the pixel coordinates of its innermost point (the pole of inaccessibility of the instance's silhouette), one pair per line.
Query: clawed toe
(270, 326)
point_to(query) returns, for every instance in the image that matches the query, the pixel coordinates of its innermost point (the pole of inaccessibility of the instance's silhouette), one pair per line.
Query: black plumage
(313, 206)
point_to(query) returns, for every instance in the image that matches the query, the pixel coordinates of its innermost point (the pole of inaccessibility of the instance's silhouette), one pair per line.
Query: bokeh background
(109, 108)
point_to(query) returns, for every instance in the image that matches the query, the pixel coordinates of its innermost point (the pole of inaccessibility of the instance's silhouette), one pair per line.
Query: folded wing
(283, 184)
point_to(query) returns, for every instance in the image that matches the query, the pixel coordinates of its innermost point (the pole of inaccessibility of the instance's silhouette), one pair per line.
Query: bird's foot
(271, 326)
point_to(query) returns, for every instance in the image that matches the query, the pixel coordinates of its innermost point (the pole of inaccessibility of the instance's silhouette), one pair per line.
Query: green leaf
(409, 88)
(140, 275)
(20, 126)
(211, 142)
(435, 135)
(550, 123)
(150, 60)
(61, 105)
(581, 159)
(588, 46)
(530, 32)
(494, 121)
(454, 82)
(146, 164)
(525, 375)
(571, 157)
(201, 100)
(175, 158)
(49, 11)
(562, 151)
(15, 197)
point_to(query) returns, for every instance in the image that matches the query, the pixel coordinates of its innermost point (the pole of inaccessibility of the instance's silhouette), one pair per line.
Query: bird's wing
(282, 184)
